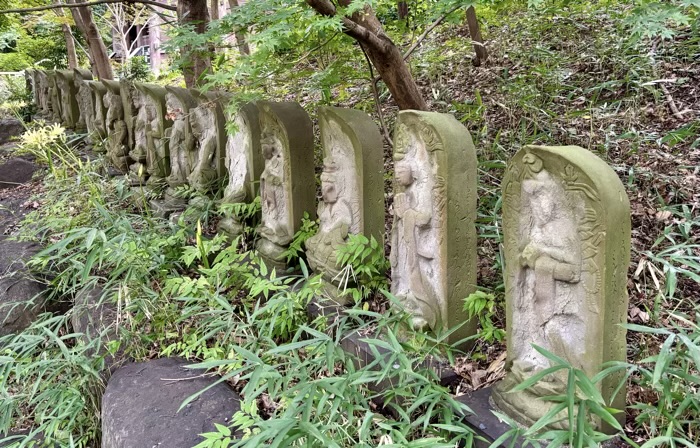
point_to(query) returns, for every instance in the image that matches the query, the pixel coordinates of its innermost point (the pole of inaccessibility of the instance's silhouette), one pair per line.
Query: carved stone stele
(54, 96)
(244, 164)
(179, 103)
(70, 112)
(287, 187)
(30, 78)
(130, 105)
(117, 132)
(566, 228)
(85, 100)
(98, 91)
(352, 185)
(208, 125)
(157, 145)
(44, 96)
(433, 239)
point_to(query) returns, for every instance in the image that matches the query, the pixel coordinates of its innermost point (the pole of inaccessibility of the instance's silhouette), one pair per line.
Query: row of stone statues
(566, 222)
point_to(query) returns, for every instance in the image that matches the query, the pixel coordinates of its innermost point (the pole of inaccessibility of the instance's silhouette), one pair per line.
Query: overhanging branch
(92, 3)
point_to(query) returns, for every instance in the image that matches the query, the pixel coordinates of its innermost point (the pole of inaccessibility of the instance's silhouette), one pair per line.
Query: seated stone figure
(335, 220)
(203, 176)
(272, 193)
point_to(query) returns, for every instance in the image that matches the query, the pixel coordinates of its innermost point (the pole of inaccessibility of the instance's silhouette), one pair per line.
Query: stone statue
(157, 146)
(352, 189)
(287, 149)
(179, 143)
(98, 91)
(70, 112)
(117, 132)
(85, 100)
(44, 103)
(433, 246)
(131, 101)
(31, 84)
(141, 123)
(243, 160)
(55, 113)
(567, 239)
(179, 103)
(205, 171)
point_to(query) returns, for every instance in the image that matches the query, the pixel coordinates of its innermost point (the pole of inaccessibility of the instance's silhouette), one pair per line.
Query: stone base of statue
(336, 294)
(272, 255)
(163, 208)
(231, 227)
(527, 406)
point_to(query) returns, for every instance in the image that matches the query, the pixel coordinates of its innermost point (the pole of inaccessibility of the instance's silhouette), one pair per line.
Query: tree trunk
(214, 10)
(240, 35)
(477, 40)
(70, 43)
(386, 57)
(96, 46)
(403, 9)
(195, 62)
(70, 47)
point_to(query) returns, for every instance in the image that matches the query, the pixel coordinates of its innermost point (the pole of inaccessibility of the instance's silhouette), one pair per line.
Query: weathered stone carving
(352, 188)
(181, 146)
(243, 160)
(54, 97)
(99, 117)
(287, 149)
(30, 82)
(157, 146)
(44, 102)
(179, 103)
(117, 132)
(130, 105)
(433, 245)
(68, 93)
(209, 130)
(566, 225)
(141, 120)
(85, 100)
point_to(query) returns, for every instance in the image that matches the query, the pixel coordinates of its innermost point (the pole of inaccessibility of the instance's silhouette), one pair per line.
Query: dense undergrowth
(561, 74)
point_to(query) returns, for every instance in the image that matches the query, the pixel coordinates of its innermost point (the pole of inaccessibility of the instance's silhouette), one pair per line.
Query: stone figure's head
(329, 180)
(268, 144)
(404, 172)
(533, 163)
(543, 198)
(173, 106)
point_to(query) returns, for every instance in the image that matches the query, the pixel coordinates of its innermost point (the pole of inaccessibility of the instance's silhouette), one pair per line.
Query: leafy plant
(670, 374)
(308, 229)
(136, 69)
(364, 262)
(581, 408)
(483, 305)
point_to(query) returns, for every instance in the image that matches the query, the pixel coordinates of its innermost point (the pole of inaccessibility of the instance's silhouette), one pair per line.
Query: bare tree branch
(80, 5)
(375, 92)
(427, 31)
(352, 28)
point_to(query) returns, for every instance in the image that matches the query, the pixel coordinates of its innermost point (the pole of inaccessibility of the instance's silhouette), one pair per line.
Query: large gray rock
(140, 406)
(21, 296)
(9, 128)
(15, 172)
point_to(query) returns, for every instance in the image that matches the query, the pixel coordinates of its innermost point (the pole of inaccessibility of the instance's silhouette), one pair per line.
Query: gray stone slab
(141, 402)
(16, 172)
(9, 129)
